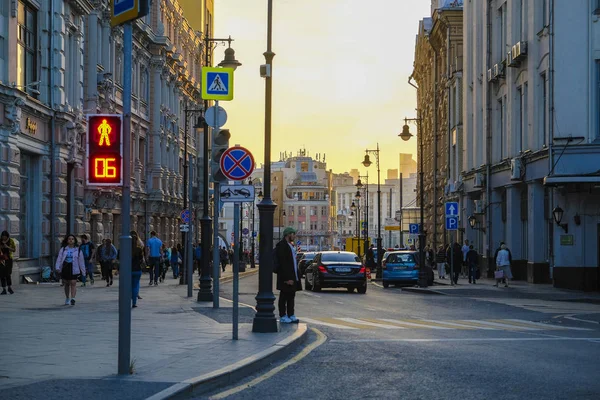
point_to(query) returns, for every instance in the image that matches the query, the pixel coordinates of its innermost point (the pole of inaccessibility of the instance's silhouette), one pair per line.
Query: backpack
(86, 250)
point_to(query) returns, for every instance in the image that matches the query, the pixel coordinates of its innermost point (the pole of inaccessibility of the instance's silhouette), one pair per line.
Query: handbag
(499, 274)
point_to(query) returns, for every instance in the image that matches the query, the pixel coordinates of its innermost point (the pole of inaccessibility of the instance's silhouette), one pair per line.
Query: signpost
(237, 163)
(451, 225)
(413, 229)
(236, 193)
(217, 83)
(216, 116)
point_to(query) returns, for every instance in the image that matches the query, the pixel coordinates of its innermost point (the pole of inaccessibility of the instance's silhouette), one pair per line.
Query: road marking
(438, 324)
(338, 321)
(524, 339)
(525, 325)
(314, 321)
(376, 284)
(545, 326)
(310, 294)
(452, 324)
(500, 325)
(582, 320)
(370, 323)
(321, 338)
(414, 324)
(339, 302)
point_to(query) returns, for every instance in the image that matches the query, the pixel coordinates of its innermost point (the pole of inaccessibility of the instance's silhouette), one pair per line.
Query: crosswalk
(463, 324)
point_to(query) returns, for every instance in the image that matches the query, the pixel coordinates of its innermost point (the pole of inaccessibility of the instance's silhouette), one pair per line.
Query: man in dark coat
(455, 258)
(288, 277)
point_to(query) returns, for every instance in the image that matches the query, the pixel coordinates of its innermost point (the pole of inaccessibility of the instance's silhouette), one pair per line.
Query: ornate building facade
(438, 73)
(45, 96)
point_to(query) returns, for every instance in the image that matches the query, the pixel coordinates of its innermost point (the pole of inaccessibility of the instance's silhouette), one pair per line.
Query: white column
(157, 64)
(536, 226)
(513, 221)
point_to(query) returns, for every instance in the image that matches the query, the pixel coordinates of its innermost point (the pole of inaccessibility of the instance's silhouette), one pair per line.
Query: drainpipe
(52, 136)
(435, 145)
(448, 122)
(488, 143)
(551, 134)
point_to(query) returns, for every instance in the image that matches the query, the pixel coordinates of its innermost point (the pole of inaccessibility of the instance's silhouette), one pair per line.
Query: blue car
(402, 267)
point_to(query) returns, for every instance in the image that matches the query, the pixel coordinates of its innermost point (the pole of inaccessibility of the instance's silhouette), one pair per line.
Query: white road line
(305, 293)
(340, 302)
(547, 326)
(361, 322)
(498, 325)
(426, 326)
(582, 320)
(316, 321)
(524, 339)
(464, 326)
(376, 284)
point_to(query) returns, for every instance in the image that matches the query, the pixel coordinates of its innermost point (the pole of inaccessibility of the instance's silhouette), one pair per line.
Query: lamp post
(205, 292)
(264, 319)
(360, 185)
(367, 163)
(184, 277)
(406, 135)
(252, 262)
(281, 215)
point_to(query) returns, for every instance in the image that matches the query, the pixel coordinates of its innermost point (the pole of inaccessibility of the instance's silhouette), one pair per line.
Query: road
(391, 344)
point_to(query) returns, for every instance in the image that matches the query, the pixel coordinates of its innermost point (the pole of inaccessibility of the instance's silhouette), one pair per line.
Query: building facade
(438, 74)
(45, 96)
(531, 133)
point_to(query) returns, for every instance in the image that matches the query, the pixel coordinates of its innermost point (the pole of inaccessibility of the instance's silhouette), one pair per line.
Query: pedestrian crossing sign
(217, 83)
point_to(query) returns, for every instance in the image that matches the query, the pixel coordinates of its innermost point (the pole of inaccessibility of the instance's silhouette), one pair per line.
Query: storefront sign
(566, 240)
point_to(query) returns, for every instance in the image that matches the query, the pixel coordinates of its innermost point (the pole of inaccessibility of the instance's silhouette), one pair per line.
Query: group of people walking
(76, 261)
(464, 261)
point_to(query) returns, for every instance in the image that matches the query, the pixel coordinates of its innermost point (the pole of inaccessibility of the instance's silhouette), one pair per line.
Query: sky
(340, 77)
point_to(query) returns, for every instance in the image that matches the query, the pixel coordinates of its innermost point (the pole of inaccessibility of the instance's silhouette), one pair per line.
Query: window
(520, 94)
(502, 128)
(544, 13)
(596, 6)
(523, 33)
(597, 106)
(544, 110)
(3, 37)
(27, 210)
(26, 45)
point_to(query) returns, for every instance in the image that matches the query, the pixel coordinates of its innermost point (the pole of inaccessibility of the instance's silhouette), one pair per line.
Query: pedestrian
(288, 279)
(7, 249)
(370, 258)
(455, 258)
(154, 247)
(137, 260)
(88, 248)
(108, 255)
(164, 262)
(440, 259)
(223, 257)
(465, 267)
(175, 257)
(70, 264)
(472, 261)
(509, 255)
(503, 264)
(198, 256)
(230, 256)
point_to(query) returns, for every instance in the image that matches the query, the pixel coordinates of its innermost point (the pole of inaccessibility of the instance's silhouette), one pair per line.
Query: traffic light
(104, 150)
(220, 143)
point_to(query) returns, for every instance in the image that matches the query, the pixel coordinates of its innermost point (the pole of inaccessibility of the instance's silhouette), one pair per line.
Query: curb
(232, 373)
(422, 290)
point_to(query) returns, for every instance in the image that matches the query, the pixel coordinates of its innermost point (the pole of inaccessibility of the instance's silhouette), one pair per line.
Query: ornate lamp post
(367, 162)
(264, 320)
(365, 187)
(406, 135)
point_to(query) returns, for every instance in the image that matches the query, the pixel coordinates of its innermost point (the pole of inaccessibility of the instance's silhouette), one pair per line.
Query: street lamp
(260, 196)
(558, 213)
(365, 187)
(264, 319)
(406, 135)
(474, 223)
(367, 162)
(205, 293)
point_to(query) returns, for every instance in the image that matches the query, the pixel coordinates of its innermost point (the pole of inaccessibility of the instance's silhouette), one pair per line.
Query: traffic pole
(236, 268)
(125, 239)
(190, 251)
(216, 255)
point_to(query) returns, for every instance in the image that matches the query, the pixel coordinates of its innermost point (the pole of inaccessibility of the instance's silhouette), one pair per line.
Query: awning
(555, 180)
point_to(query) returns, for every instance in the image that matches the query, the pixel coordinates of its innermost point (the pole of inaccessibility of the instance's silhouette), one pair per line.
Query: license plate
(344, 269)
(399, 268)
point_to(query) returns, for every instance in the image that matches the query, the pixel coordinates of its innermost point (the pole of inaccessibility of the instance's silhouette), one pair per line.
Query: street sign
(185, 216)
(128, 10)
(451, 223)
(217, 83)
(392, 228)
(218, 120)
(237, 163)
(245, 231)
(184, 228)
(398, 215)
(451, 209)
(298, 243)
(236, 193)
(413, 229)
(254, 234)
(363, 224)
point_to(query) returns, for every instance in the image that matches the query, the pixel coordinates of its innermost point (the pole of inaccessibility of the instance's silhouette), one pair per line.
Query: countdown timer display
(104, 150)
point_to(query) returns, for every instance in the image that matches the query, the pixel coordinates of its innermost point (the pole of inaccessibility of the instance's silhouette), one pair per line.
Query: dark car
(305, 260)
(401, 267)
(336, 269)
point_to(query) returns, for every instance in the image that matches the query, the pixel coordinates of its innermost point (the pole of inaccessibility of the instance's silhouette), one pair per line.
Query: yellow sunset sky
(339, 77)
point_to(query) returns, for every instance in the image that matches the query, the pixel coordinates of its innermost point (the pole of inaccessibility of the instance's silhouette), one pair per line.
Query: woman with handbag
(503, 266)
(70, 264)
(175, 258)
(137, 260)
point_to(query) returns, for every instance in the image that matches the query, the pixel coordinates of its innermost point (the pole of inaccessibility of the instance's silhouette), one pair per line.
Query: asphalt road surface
(391, 344)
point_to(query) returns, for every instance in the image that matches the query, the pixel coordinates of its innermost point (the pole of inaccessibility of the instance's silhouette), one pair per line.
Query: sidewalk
(53, 351)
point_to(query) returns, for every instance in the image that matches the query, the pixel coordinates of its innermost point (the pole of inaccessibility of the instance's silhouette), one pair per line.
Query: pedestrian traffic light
(220, 143)
(104, 150)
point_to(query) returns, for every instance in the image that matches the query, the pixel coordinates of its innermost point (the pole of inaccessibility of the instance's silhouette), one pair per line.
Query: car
(403, 267)
(336, 269)
(242, 192)
(305, 260)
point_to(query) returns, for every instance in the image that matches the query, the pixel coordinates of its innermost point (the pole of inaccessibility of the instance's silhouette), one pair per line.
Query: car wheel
(386, 284)
(307, 284)
(350, 289)
(362, 289)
